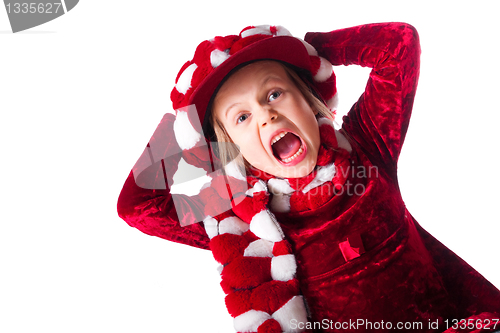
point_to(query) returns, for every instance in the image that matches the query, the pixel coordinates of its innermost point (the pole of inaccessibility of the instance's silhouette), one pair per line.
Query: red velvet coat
(403, 274)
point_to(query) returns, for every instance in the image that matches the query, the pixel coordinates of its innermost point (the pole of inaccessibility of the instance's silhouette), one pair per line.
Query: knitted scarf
(258, 267)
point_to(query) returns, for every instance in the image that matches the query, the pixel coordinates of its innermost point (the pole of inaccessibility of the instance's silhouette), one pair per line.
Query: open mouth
(287, 147)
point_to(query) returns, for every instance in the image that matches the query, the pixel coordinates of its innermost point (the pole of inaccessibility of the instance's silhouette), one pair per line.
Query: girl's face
(266, 115)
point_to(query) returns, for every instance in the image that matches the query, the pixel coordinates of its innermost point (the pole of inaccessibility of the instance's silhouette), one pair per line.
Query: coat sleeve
(379, 120)
(145, 201)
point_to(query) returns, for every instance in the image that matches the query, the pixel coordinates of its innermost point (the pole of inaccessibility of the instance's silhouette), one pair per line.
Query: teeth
(291, 158)
(278, 137)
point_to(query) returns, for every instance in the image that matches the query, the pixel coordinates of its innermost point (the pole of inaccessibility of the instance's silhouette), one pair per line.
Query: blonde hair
(229, 152)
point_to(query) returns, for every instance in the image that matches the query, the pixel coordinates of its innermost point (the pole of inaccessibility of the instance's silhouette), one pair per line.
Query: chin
(301, 172)
(297, 171)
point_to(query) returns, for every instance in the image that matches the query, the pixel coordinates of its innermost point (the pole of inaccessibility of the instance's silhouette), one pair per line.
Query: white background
(80, 97)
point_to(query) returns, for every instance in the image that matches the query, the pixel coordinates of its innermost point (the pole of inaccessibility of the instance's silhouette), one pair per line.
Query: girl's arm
(145, 201)
(380, 118)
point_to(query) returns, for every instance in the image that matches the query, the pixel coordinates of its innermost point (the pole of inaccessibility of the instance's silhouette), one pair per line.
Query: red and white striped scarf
(258, 267)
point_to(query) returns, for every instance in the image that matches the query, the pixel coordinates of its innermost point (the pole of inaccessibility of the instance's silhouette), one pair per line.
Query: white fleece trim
(258, 187)
(280, 203)
(263, 226)
(259, 248)
(282, 31)
(231, 169)
(232, 225)
(323, 175)
(283, 268)
(341, 140)
(310, 49)
(324, 72)
(279, 186)
(258, 30)
(185, 134)
(184, 82)
(333, 103)
(250, 321)
(211, 226)
(294, 310)
(217, 57)
(325, 121)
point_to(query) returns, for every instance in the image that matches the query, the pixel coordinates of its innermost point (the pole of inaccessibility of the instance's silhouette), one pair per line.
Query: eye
(242, 118)
(274, 95)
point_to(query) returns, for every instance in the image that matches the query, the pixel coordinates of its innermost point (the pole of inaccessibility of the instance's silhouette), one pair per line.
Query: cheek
(310, 129)
(238, 137)
(246, 143)
(251, 149)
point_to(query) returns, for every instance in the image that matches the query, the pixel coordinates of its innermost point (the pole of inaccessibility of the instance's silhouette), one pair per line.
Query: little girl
(307, 221)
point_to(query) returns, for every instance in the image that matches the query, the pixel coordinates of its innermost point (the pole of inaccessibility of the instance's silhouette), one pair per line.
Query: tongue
(286, 146)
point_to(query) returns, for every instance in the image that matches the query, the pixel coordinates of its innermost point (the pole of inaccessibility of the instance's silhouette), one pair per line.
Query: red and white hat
(214, 59)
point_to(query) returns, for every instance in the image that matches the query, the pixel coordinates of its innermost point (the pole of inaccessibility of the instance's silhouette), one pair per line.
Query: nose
(267, 116)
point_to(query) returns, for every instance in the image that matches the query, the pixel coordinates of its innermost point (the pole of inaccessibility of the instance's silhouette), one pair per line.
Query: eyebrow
(229, 108)
(270, 77)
